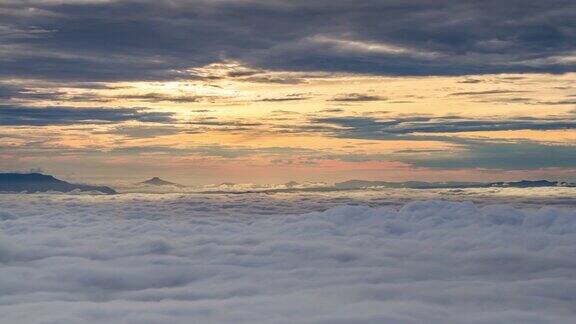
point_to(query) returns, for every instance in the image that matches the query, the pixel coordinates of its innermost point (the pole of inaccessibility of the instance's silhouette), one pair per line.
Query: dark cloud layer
(468, 153)
(499, 155)
(10, 91)
(136, 39)
(21, 116)
(403, 127)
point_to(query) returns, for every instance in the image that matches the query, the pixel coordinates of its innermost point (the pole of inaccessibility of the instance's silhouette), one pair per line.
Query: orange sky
(279, 127)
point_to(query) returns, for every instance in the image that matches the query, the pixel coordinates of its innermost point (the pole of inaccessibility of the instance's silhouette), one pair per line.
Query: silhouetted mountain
(533, 184)
(159, 182)
(36, 182)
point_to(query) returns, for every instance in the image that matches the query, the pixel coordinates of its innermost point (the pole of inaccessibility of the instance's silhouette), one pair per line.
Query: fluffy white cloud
(182, 258)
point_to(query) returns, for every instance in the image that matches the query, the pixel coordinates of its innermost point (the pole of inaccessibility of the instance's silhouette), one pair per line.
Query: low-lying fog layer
(283, 258)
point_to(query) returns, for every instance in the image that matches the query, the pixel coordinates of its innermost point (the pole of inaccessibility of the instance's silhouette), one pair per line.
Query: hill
(36, 182)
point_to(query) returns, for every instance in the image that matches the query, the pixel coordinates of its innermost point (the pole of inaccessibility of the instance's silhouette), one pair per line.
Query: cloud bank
(177, 259)
(144, 40)
(29, 116)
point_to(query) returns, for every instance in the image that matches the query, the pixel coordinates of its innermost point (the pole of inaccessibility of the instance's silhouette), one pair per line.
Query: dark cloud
(268, 78)
(470, 81)
(145, 40)
(400, 102)
(284, 112)
(16, 116)
(161, 97)
(466, 152)
(145, 131)
(527, 101)
(487, 92)
(332, 110)
(35, 91)
(213, 121)
(355, 97)
(290, 97)
(281, 99)
(474, 154)
(499, 155)
(414, 127)
(10, 91)
(559, 102)
(512, 100)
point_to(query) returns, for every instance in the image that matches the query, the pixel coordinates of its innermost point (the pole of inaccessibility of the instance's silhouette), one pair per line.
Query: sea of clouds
(263, 258)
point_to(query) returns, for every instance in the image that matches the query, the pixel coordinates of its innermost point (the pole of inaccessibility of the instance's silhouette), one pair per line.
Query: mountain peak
(157, 181)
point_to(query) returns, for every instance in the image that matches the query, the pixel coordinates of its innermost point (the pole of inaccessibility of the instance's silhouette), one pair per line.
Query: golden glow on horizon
(240, 114)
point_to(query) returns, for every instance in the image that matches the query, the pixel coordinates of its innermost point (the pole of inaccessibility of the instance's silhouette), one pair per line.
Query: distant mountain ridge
(533, 184)
(156, 181)
(37, 182)
(359, 184)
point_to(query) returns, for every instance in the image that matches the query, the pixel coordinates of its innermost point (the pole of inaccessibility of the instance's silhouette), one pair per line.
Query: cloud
(21, 116)
(48, 91)
(470, 80)
(290, 97)
(161, 97)
(486, 92)
(290, 259)
(284, 112)
(11, 91)
(215, 123)
(476, 154)
(559, 102)
(220, 151)
(145, 131)
(517, 155)
(398, 127)
(357, 97)
(8, 91)
(332, 110)
(463, 152)
(236, 70)
(111, 40)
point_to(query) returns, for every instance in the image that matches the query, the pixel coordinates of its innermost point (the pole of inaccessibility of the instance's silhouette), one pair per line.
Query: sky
(202, 91)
